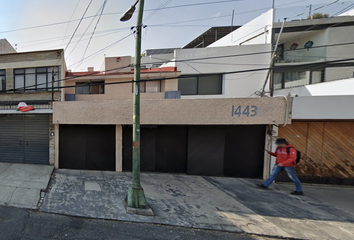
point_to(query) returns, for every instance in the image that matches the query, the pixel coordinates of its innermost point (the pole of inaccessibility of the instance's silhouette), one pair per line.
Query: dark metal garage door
(24, 138)
(235, 151)
(87, 147)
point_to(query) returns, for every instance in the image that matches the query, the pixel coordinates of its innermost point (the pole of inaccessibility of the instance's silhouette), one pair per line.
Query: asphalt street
(16, 223)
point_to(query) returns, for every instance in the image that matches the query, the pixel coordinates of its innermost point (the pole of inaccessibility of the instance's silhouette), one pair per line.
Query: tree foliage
(319, 15)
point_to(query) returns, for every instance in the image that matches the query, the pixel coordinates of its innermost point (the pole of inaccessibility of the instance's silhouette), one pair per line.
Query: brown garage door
(327, 149)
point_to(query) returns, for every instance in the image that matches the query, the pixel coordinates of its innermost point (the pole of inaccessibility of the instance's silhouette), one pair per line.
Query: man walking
(286, 161)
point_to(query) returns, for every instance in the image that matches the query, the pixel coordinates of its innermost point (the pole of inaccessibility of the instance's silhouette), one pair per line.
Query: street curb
(241, 232)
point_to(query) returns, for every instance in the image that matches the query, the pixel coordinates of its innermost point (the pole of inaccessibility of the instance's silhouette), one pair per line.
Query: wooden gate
(327, 150)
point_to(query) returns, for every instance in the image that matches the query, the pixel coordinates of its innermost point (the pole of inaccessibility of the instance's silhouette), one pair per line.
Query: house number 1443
(248, 111)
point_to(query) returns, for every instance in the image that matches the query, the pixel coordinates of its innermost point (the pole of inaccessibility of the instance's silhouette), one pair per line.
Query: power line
(304, 67)
(224, 56)
(93, 33)
(158, 8)
(326, 5)
(102, 35)
(78, 25)
(298, 66)
(320, 23)
(67, 26)
(117, 13)
(77, 43)
(99, 51)
(108, 32)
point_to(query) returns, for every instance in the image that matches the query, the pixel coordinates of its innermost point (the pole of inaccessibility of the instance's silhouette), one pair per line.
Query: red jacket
(285, 158)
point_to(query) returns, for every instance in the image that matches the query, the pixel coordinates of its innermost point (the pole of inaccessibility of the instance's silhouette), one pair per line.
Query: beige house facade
(217, 137)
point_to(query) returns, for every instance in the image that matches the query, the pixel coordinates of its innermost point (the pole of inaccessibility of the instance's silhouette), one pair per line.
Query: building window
(201, 85)
(2, 80)
(36, 79)
(96, 87)
(149, 87)
(296, 79)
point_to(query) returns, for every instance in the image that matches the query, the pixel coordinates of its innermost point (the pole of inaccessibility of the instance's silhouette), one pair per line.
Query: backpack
(298, 154)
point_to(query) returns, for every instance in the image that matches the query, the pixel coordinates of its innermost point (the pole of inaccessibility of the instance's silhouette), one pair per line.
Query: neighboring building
(311, 63)
(218, 137)
(227, 66)
(311, 66)
(160, 57)
(312, 51)
(27, 77)
(5, 47)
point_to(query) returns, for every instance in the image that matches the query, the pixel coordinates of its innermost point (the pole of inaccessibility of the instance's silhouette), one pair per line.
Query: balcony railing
(301, 59)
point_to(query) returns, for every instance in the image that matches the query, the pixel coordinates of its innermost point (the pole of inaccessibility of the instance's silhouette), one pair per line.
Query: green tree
(319, 15)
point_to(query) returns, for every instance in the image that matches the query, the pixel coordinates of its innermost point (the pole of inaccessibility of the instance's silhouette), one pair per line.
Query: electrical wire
(157, 9)
(147, 10)
(93, 33)
(77, 43)
(160, 79)
(326, 5)
(320, 23)
(88, 6)
(67, 26)
(298, 67)
(216, 57)
(99, 51)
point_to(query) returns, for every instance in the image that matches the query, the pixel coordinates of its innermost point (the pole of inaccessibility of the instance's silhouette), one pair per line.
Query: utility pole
(136, 197)
(273, 5)
(53, 84)
(310, 12)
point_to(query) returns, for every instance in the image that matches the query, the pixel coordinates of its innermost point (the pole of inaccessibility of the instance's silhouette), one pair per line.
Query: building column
(51, 141)
(56, 135)
(271, 136)
(119, 147)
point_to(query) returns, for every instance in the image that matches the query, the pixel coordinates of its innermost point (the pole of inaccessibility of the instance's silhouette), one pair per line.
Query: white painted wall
(340, 35)
(323, 108)
(234, 85)
(257, 31)
(333, 88)
(348, 13)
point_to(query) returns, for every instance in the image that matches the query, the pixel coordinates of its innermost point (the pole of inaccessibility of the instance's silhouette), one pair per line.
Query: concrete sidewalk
(226, 204)
(341, 197)
(20, 184)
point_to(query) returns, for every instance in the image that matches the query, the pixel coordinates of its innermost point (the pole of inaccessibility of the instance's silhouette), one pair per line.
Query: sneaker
(262, 186)
(297, 193)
